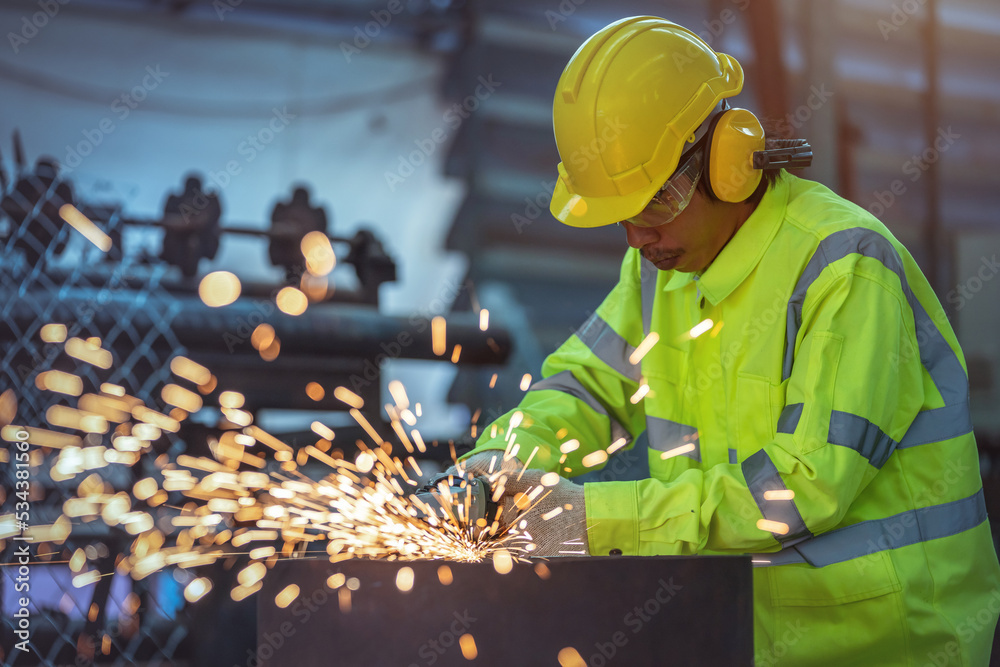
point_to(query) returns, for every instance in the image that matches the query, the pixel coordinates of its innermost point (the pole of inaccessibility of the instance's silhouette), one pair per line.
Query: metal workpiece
(609, 610)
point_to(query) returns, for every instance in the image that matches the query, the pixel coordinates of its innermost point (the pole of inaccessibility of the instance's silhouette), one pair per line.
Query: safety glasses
(674, 196)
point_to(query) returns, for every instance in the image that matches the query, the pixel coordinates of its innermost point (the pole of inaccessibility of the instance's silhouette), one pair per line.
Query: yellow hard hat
(627, 105)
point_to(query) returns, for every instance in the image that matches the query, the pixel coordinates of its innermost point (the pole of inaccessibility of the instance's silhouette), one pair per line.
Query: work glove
(544, 514)
(480, 464)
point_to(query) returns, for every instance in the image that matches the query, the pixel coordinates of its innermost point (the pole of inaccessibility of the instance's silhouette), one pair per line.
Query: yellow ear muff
(733, 137)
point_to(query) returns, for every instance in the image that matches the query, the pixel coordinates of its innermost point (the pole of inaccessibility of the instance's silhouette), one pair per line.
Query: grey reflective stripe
(732, 456)
(870, 537)
(847, 430)
(608, 345)
(568, 384)
(761, 476)
(665, 435)
(938, 424)
(935, 354)
(789, 419)
(648, 275)
(861, 435)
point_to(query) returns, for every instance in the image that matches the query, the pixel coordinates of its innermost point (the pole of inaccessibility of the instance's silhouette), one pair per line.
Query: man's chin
(669, 263)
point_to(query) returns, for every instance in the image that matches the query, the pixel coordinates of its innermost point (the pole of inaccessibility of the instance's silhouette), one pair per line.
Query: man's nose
(639, 236)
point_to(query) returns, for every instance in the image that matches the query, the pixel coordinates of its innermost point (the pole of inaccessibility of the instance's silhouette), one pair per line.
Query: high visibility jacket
(807, 402)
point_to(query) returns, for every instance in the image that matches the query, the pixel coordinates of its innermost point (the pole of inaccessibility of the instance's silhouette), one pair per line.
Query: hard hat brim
(577, 210)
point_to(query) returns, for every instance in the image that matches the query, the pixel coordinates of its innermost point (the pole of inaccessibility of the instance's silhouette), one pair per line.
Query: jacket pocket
(755, 427)
(664, 362)
(807, 586)
(665, 369)
(847, 613)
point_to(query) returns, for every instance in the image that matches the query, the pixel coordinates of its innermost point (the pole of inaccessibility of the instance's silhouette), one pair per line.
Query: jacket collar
(744, 251)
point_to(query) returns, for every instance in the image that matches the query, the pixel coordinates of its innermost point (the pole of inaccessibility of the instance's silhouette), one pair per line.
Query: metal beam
(771, 80)
(324, 331)
(819, 43)
(935, 243)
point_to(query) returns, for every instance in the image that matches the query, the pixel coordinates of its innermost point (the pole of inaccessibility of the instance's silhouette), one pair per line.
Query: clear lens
(673, 197)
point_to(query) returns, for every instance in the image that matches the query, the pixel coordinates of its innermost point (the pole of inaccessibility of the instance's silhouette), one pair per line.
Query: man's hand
(552, 508)
(488, 463)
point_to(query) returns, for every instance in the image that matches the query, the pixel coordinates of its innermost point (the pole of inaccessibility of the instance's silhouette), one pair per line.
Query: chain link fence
(50, 274)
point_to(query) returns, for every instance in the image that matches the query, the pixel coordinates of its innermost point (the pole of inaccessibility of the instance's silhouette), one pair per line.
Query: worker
(804, 397)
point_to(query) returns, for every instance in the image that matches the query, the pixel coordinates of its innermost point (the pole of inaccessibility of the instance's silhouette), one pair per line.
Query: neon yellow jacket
(818, 417)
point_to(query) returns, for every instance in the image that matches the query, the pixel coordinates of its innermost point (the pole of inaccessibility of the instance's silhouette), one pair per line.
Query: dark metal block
(613, 611)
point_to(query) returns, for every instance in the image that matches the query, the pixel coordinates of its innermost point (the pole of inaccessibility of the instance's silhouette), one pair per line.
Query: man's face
(689, 242)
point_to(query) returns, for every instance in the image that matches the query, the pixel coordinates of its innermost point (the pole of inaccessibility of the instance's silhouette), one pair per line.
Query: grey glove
(526, 499)
(488, 463)
(546, 514)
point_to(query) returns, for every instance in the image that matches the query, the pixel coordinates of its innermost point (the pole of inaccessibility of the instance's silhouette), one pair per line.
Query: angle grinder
(465, 499)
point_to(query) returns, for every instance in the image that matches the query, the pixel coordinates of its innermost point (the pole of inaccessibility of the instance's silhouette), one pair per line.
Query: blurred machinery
(191, 227)
(135, 305)
(290, 222)
(340, 339)
(30, 206)
(192, 232)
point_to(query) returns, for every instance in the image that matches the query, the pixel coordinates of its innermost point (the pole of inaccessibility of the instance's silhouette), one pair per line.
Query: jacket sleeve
(854, 389)
(584, 391)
